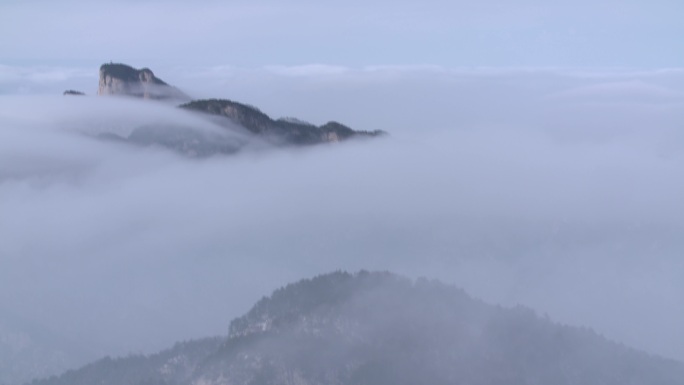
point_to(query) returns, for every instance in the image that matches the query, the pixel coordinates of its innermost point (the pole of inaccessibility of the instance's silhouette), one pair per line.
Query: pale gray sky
(536, 33)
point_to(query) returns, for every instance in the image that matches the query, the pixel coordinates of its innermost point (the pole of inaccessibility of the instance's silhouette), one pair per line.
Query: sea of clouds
(557, 189)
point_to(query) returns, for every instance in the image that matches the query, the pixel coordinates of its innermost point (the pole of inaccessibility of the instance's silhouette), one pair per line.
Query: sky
(533, 158)
(604, 33)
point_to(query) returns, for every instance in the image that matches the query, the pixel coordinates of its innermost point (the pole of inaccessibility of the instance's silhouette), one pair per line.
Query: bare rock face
(123, 80)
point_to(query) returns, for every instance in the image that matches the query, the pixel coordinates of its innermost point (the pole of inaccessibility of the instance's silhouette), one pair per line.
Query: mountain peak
(380, 328)
(124, 80)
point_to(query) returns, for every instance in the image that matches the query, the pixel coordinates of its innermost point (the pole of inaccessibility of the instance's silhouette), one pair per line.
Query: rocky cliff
(124, 80)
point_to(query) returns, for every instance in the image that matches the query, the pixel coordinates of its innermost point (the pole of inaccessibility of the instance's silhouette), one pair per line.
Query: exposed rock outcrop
(121, 79)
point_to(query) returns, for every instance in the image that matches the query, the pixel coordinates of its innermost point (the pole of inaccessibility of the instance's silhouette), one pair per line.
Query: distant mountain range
(378, 328)
(123, 80)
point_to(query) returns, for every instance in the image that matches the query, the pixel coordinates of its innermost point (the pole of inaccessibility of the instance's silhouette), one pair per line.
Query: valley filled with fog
(556, 189)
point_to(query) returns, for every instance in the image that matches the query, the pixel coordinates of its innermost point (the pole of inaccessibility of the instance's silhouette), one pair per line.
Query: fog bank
(557, 190)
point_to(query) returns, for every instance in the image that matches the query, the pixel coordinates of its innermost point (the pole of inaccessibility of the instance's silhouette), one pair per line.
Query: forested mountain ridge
(281, 130)
(379, 328)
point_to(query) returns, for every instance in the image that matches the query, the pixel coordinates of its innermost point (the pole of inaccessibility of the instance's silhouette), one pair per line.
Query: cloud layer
(553, 189)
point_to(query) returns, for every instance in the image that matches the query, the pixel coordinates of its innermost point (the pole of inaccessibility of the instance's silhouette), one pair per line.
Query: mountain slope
(165, 367)
(378, 328)
(284, 131)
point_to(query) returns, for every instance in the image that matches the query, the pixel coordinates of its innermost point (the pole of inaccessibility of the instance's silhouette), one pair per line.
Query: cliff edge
(124, 80)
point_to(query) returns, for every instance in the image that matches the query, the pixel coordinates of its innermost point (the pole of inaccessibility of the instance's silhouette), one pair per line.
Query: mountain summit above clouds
(123, 80)
(282, 131)
(379, 328)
